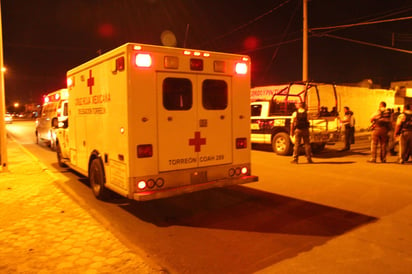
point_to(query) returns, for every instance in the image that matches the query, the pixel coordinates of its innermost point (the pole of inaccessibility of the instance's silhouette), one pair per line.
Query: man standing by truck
(299, 128)
(349, 123)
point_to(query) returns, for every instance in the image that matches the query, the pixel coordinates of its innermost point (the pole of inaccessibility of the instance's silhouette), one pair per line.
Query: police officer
(403, 129)
(382, 125)
(299, 127)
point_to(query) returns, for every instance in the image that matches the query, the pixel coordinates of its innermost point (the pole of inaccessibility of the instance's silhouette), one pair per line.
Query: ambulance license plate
(198, 177)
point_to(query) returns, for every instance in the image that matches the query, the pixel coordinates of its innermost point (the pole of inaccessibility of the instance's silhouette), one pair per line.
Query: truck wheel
(59, 156)
(97, 180)
(281, 144)
(317, 147)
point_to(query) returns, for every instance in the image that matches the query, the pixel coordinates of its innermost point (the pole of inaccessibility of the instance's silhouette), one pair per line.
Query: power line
(362, 23)
(367, 43)
(285, 32)
(248, 23)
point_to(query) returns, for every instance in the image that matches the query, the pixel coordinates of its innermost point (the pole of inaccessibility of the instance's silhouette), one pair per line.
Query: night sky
(43, 39)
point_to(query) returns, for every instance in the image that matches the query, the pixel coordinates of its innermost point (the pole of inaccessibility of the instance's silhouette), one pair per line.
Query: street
(340, 214)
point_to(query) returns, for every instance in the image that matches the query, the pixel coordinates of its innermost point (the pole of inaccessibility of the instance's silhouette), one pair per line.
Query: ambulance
(54, 110)
(150, 122)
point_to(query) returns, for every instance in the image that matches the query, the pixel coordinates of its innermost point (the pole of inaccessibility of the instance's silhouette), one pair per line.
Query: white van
(54, 110)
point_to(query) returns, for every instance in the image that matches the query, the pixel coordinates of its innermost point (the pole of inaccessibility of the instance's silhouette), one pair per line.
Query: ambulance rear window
(177, 94)
(214, 94)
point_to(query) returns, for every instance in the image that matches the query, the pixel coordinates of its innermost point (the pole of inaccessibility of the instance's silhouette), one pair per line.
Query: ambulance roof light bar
(196, 53)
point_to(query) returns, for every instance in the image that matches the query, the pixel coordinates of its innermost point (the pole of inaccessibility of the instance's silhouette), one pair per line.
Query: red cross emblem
(90, 81)
(197, 141)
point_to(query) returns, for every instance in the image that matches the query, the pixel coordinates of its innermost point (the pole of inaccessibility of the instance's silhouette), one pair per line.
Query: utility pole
(3, 136)
(305, 42)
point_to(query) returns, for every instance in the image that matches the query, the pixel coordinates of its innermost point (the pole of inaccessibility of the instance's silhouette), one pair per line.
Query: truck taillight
(241, 143)
(144, 151)
(241, 68)
(143, 60)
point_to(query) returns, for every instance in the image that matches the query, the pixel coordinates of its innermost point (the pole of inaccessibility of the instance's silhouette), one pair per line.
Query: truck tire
(281, 144)
(97, 180)
(59, 156)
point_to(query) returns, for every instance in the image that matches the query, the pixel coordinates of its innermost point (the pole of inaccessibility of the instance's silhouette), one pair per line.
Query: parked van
(54, 110)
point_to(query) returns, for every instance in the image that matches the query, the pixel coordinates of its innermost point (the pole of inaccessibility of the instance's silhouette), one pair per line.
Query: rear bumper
(325, 137)
(165, 193)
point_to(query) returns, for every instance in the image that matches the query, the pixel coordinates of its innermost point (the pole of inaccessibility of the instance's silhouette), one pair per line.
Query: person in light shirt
(348, 121)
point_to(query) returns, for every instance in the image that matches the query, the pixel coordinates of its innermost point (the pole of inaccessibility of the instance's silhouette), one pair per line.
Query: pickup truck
(272, 108)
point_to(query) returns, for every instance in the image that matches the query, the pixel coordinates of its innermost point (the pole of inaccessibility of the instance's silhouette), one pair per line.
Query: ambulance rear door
(194, 121)
(215, 119)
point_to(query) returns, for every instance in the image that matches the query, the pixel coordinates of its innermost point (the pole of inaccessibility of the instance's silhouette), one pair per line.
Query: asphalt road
(340, 215)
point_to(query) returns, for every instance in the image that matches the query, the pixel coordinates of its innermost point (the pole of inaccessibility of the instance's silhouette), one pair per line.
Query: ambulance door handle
(203, 123)
(222, 117)
(170, 118)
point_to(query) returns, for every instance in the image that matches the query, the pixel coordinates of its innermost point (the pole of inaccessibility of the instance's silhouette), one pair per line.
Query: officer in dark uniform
(382, 125)
(403, 129)
(299, 127)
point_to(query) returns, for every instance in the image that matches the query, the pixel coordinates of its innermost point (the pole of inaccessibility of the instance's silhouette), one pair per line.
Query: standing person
(403, 129)
(392, 135)
(348, 121)
(382, 125)
(299, 127)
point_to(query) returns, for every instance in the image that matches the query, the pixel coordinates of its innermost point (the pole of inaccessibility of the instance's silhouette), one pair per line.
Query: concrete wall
(364, 102)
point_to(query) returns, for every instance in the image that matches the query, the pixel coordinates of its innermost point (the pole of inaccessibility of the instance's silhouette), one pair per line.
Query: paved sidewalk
(42, 230)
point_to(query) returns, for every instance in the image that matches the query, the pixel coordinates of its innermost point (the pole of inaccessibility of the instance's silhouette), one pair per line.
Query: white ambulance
(54, 110)
(151, 122)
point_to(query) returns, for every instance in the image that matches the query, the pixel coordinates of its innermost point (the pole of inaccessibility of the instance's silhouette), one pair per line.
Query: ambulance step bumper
(169, 192)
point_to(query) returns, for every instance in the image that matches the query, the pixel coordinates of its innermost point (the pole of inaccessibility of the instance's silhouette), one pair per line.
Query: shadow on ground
(251, 229)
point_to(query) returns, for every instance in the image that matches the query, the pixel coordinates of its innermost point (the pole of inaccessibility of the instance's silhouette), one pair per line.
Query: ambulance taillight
(241, 143)
(144, 151)
(238, 171)
(143, 60)
(141, 185)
